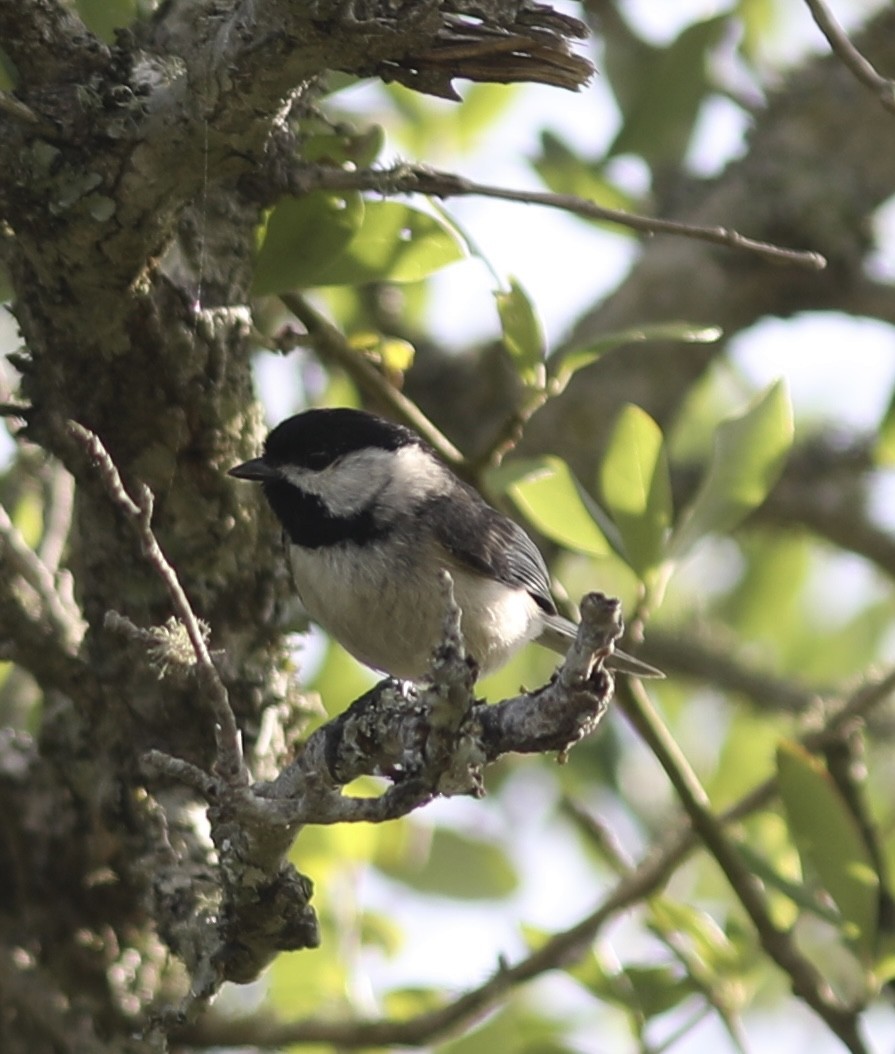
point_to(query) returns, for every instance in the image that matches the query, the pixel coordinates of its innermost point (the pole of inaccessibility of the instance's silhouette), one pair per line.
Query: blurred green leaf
(566, 172)
(455, 865)
(556, 504)
(661, 93)
(339, 239)
(748, 457)
(393, 353)
(302, 236)
(523, 334)
(103, 17)
(884, 450)
(395, 243)
(515, 1029)
(403, 1003)
(346, 145)
(7, 72)
(482, 106)
(683, 332)
(647, 990)
(295, 991)
(757, 18)
(829, 842)
(708, 942)
(798, 892)
(381, 932)
(636, 488)
(434, 128)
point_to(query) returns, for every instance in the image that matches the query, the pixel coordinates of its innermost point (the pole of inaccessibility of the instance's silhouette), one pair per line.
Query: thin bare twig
(22, 560)
(230, 760)
(60, 492)
(849, 55)
(420, 179)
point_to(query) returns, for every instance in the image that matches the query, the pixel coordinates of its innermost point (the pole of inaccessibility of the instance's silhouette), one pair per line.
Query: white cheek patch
(416, 475)
(348, 486)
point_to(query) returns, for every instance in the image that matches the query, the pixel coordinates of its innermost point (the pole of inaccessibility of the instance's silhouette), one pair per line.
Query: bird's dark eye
(318, 459)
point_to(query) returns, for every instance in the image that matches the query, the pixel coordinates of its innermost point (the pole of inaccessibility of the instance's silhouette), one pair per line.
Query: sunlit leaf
(757, 18)
(395, 243)
(381, 932)
(707, 941)
(360, 148)
(432, 128)
(457, 866)
(748, 457)
(523, 334)
(403, 1003)
(797, 892)
(682, 332)
(566, 172)
(517, 1028)
(662, 91)
(302, 236)
(884, 450)
(829, 841)
(636, 488)
(557, 505)
(649, 990)
(394, 353)
(339, 239)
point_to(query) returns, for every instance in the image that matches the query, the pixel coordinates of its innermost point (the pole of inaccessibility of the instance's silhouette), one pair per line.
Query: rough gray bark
(109, 155)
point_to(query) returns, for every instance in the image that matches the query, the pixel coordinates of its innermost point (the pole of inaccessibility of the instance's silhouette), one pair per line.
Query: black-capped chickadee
(371, 515)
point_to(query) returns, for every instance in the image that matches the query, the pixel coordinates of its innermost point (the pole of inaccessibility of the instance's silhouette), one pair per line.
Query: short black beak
(257, 470)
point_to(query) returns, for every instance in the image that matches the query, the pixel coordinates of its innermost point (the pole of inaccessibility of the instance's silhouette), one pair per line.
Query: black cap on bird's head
(315, 439)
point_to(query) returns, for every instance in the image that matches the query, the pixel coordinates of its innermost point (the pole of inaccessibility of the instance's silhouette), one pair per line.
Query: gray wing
(484, 540)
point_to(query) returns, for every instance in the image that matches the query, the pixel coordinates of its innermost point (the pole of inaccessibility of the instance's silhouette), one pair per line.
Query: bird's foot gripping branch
(429, 739)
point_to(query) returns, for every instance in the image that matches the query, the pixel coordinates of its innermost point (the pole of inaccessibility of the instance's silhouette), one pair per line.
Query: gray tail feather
(559, 631)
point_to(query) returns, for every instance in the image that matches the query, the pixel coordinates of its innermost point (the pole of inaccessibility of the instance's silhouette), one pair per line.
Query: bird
(371, 516)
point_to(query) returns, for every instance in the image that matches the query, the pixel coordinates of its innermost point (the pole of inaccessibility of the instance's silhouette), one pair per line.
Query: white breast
(390, 618)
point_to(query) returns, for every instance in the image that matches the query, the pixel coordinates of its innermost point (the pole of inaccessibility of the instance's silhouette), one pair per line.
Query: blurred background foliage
(415, 911)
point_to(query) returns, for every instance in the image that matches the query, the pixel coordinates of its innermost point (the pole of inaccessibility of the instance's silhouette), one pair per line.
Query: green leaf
(566, 172)
(455, 866)
(404, 1003)
(360, 148)
(302, 236)
(103, 17)
(683, 332)
(708, 942)
(395, 243)
(748, 457)
(757, 19)
(661, 92)
(523, 334)
(555, 503)
(339, 239)
(830, 843)
(393, 353)
(884, 452)
(797, 892)
(8, 76)
(648, 990)
(636, 488)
